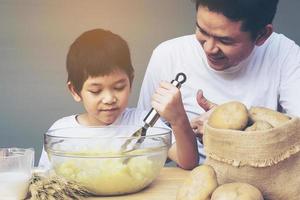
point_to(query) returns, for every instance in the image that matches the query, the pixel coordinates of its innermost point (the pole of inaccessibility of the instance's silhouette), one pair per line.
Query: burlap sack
(269, 160)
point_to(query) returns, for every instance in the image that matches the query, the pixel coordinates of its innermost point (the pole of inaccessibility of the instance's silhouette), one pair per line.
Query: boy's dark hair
(254, 14)
(97, 52)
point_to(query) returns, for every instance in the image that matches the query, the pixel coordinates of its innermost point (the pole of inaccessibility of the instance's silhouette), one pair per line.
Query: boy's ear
(73, 92)
(131, 83)
(264, 34)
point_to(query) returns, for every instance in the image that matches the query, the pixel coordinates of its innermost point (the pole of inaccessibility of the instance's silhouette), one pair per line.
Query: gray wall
(287, 19)
(35, 36)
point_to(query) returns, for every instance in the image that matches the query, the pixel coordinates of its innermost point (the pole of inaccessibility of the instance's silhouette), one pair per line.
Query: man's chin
(217, 67)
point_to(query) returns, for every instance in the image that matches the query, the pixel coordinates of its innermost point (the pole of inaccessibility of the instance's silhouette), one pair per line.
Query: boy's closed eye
(120, 86)
(117, 87)
(94, 88)
(95, 91)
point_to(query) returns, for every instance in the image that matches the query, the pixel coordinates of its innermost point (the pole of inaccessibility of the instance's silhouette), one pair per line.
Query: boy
(100, 75)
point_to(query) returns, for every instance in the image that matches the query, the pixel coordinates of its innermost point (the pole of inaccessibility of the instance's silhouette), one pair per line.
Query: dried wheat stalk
(55, 188)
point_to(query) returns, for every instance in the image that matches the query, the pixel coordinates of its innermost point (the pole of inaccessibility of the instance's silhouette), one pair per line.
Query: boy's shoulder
(132, 116)
(65, 122)
(135, 116)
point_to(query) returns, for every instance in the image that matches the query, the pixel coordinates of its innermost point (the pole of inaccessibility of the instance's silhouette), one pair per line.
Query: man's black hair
(254, 14)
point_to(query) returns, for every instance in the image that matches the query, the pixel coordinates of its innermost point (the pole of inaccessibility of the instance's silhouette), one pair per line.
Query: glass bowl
(93, 157)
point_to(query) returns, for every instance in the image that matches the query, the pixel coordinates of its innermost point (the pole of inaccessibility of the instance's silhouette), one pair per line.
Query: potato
(199, 185)
(265, 114)
(259, 126)
(231, 115)
(236, 191)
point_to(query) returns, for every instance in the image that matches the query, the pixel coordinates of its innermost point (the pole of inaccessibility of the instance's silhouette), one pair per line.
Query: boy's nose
(109, 99)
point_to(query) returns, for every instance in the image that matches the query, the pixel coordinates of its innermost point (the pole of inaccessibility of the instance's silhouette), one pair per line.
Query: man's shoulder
(180, 39)
(178, 42)
(279, 36)
(278, 39)
(279, 47)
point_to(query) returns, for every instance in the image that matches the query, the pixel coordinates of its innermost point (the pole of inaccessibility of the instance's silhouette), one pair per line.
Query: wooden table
(163, 188)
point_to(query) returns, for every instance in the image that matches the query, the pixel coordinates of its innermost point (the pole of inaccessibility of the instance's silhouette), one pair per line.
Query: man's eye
(202, 31)
(226, 42)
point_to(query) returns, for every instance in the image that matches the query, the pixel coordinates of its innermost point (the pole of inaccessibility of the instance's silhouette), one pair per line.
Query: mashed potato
(112, 176)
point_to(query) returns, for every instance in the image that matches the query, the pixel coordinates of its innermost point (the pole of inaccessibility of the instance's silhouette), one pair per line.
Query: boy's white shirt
(130, 116)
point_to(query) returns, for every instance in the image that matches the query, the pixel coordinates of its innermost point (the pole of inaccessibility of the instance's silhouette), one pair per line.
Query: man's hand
(198, 122)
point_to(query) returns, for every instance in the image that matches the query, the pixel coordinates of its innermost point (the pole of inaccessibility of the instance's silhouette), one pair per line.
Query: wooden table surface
(163, 188)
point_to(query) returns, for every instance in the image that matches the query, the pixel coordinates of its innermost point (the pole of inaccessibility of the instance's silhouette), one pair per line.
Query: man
(234, 55)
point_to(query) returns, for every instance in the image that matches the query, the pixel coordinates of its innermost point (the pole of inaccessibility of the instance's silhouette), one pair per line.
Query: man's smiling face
(224, 43)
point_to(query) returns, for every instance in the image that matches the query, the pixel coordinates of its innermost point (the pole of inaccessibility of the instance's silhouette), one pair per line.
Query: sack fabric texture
(268, 160)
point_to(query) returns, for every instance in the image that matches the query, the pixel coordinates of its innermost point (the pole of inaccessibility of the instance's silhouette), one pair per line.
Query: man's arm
(289, 96)
(156, 72)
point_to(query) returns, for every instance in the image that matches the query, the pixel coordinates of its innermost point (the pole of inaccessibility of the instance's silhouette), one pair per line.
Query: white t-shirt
(130, 116)
(269, 77)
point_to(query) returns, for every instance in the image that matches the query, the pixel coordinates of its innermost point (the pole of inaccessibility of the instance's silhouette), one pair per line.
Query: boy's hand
(198, 122)
(168, 103)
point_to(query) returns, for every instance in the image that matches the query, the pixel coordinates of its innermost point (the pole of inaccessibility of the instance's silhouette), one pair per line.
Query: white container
(15, 172)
